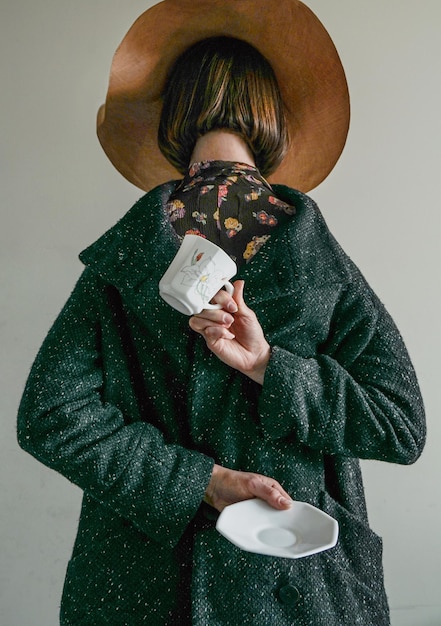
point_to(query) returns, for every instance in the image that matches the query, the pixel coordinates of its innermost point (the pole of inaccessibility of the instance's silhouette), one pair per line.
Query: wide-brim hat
(306, 64)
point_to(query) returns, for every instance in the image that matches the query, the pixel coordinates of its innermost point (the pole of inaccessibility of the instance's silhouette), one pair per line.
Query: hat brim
(306, 63)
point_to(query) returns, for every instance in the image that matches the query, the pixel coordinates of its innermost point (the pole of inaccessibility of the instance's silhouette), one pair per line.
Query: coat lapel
(300, 255)
(135, 253)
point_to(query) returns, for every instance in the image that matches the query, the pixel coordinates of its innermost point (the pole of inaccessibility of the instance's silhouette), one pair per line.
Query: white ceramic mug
(198, 271)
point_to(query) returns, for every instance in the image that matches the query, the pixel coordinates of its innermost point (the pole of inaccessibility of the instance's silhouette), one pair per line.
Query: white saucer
(299, 531)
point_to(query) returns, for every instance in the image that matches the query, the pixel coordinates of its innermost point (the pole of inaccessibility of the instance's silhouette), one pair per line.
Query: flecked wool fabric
(129, 404)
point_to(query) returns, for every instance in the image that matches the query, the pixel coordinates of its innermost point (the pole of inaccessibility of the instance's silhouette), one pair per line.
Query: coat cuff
(289, 389)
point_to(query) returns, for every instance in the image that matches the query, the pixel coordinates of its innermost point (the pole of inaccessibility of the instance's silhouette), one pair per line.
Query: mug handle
(228, 287)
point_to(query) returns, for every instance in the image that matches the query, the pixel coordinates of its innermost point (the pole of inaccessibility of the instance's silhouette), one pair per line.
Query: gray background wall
(58, 193)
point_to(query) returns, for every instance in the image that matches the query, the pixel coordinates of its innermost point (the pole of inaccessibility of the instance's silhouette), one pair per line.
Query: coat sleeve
(358, 396)
(65, 424)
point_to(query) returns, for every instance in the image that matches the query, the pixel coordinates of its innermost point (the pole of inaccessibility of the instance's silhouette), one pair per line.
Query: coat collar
(135, 253)
(139, 246)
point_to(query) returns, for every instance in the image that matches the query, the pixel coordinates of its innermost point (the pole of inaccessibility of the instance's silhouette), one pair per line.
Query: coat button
(289, 595)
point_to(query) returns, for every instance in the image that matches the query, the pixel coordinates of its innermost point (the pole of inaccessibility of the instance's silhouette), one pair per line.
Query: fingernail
(285, 501)
(227, 319)
(232, 307)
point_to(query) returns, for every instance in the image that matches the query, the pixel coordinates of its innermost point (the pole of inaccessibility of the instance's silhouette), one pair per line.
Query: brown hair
(223, 83)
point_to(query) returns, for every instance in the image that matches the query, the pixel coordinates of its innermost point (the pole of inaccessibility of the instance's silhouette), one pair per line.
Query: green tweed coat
(129, 404)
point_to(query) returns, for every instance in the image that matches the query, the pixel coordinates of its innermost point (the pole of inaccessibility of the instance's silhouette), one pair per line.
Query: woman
(164, 421)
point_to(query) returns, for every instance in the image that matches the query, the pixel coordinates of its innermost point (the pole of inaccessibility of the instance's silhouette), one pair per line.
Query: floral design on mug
(201, 273)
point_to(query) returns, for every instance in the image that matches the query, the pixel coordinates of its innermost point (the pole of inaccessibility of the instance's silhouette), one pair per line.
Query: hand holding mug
(234, 334)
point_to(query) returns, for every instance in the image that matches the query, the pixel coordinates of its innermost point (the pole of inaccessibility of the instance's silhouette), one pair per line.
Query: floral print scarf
(230, 204)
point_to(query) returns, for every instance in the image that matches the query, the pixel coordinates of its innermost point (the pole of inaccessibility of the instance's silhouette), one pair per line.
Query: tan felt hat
(307, 66)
